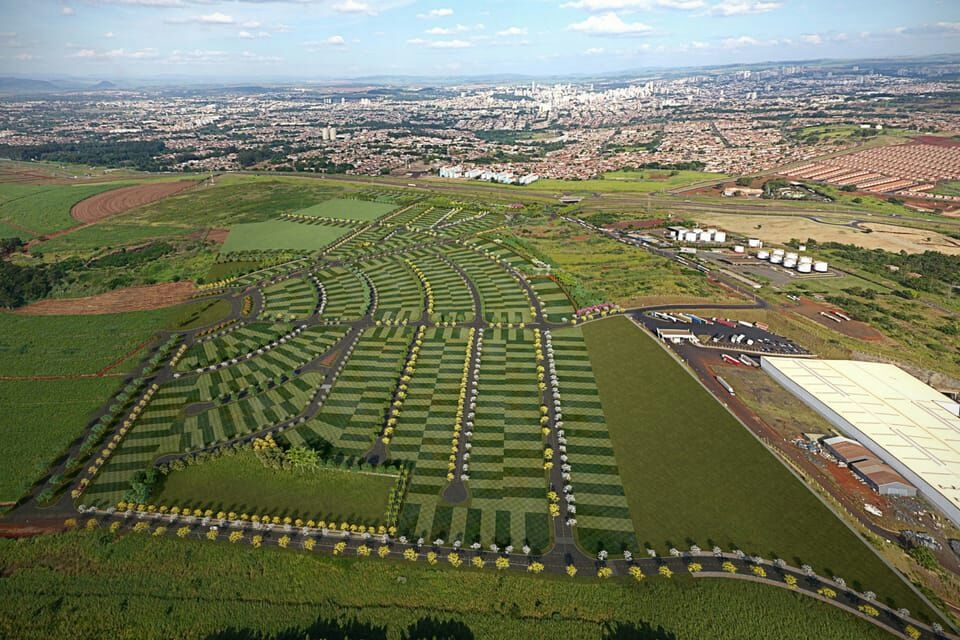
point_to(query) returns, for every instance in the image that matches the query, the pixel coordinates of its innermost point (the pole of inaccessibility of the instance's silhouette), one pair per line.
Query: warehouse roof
(901, 418)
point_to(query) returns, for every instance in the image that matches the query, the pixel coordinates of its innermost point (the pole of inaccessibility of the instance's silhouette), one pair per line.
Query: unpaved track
(117, 201)
(154, 296)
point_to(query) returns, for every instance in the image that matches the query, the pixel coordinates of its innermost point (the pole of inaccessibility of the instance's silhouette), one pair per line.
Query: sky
(229, 40)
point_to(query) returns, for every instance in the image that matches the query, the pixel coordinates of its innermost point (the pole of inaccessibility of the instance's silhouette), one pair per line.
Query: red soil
(116, 201)
(853, 328)
(142, 298)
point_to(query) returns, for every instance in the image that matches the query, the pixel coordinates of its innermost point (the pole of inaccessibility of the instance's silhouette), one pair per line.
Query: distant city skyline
(231, 39)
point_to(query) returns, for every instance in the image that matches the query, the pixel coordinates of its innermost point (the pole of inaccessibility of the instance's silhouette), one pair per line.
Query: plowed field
(153, 296)
(110, 203)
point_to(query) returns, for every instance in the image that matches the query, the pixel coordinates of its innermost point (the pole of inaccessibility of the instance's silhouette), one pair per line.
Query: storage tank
(805, 259)
(776, 258)
(720, 236)
(778, 252)
(820, 266)
(753, 243)
(738, 248)
(789, 264)
(791, 256)
(763, 255)
(804, 267)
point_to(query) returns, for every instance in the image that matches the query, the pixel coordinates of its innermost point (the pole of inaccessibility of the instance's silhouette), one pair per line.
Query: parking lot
(753, 340)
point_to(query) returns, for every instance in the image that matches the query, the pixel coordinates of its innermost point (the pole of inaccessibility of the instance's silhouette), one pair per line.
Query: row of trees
(135, 154)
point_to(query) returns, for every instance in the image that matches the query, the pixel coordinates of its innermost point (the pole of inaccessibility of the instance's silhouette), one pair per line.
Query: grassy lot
(92, 585)
(234, 200)
(693, 474)
(49, 414)
(106, 236)
(348, 209)
(609, 271)
(280, 234)
(242, 484)
(65, 345)
(45, 208)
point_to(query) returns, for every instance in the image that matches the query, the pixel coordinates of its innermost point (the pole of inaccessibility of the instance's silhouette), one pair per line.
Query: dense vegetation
(102, 585)
(135, 154)
(20, 284)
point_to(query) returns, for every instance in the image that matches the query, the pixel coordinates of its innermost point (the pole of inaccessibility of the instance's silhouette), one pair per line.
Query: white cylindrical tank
(720, 236)
(789, 264)
(754, 243)
(776, 258)
(738, 248)
(820, 266)
(804, 267)
(763, 255)
(805, 259)
(791, 256)
(690, 236)
(778, 252)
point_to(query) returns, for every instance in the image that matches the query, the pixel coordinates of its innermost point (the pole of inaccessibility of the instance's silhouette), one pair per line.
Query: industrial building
(878, 475)
(676, 336)
(903, 422)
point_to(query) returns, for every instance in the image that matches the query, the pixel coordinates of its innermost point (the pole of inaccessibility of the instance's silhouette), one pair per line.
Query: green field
(276, 235)
(948, 188)
(693, 474)
(106, 236)
(646, 181)
(66, 345)
(49, 415)
(242, 484)
(44, 208)
(93, 585)
(364, 210)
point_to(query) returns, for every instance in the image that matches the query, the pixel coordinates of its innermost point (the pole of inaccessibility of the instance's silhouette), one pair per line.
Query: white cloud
(639, 5)
(449, 44)
(512, 32)
(610, 24)
(749, 41)
(812, 38)
(215, 18)
(594, 51)
(68, 11)
(742, 7)
(24, 57)
(197, 56)
(115, 54)
(354, 6)
(446, 31)
(108, 34)
(336, 41)
(251, 24)
(436, 13)
(247, 35)
(249, 56)
(935, 29)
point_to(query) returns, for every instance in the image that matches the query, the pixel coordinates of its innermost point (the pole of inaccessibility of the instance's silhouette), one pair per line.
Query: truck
(747, 360)
(745, 323)
(762, 325)
(726, 385)
(726, 323)
(730, 359)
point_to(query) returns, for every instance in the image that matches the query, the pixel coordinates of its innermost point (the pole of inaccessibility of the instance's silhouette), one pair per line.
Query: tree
(536, 567)
(744, 181)
(869, 610)
(758, 571)
(694, 567)
(212, 534)
(636, 572)
(729, 567)
(410, 554)
(665, 571)
(383, 551)
(256, 542)
(502, 563)
(339, 548)
(571, 570)
(604, 572)
(912, 632)
(283, 541)
(790, 580)
(235, 536)
(183, 532)
(478, 562)
(363, 551)
(827, 592)
(309, 544)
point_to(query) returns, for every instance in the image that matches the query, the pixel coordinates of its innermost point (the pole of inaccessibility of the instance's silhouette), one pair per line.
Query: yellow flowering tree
(664, 571)
(604, 572)
(571, 570)
(636, 572)
(478, 562)
(758, 571)
(536, 567)
(410, 554)
(339, 548)
(501, 563)
(283, 541)
(309, 544)
(235, 536)
(383, 551)
(694, 567)
(729, 567)
(790, 580)
(454, 559)
(183, 532)
(256, 542)
(827, 592)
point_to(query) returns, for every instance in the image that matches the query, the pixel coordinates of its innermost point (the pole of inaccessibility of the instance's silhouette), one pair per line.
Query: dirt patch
(852, 328)
(218, 236)
(117, 201)
(779, 229)
(153, 296)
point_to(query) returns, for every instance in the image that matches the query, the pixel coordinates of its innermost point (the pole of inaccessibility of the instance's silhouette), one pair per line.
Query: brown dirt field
(853, 328)
(778, 229)
(116, 201)
(142, 298)
(218, 235)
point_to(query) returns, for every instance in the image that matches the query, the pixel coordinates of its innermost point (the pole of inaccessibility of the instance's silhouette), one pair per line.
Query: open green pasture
(693, 475)
(275, 235)
(354, 411)
(49, 414)
(364, 210)
(224, 590)
(234, 200)
(242, 484)
(645, 181)
(45, 208)
(66, 345)
(105, 236)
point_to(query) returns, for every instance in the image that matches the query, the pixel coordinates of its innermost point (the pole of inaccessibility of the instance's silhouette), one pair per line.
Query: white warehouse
(909, 425)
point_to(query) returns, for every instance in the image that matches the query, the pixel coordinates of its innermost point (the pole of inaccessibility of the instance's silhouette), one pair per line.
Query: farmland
(41, 209)
(363, 210)
(129, 582)
(280, 234)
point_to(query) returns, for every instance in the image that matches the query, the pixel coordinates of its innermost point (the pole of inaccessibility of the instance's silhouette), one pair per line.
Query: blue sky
(232, 39)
